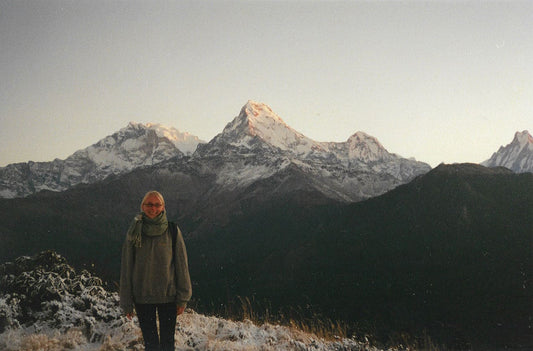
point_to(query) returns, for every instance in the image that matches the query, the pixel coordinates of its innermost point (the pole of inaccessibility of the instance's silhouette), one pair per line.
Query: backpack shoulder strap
(173, 228)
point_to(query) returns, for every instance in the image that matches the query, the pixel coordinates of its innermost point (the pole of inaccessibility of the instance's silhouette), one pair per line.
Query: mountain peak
(261, 120)
(254, 109)
(258, 121)
(135, 125)
(362, 137)
(366, 147)
(517, 156)
(523, 139)
(183, 141)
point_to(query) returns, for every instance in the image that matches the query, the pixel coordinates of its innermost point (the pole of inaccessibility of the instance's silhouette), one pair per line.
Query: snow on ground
(194, 332)
(46, 305)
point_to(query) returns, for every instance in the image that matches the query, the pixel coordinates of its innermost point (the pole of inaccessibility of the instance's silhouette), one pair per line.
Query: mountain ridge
(254, 145)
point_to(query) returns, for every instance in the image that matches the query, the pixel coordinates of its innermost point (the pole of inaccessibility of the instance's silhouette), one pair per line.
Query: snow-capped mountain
(517, 156)
(257, 121)
(183, 141)
(255, 146)
(258, 144)
(134, 146)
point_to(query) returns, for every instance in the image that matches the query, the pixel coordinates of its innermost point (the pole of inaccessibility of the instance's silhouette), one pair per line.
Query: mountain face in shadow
(88, 223)
(449, 252)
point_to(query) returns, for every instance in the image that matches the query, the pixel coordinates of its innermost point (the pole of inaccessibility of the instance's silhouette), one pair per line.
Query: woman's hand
(179, 310)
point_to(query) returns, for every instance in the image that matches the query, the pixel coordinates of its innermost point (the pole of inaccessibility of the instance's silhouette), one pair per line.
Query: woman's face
(153, 206)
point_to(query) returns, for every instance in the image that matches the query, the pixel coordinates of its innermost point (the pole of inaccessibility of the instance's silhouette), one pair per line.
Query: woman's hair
(151, 193)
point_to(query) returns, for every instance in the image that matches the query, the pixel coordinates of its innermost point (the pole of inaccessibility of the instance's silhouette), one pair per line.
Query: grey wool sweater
(149, 274)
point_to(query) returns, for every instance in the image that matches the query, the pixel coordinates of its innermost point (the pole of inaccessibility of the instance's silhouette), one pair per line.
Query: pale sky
(441, 81)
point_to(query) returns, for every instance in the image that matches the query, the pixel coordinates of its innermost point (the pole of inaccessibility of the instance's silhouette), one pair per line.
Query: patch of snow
(183, 141)
(8, 193)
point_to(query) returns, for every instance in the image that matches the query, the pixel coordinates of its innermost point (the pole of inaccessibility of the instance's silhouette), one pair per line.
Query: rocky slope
(517, 156)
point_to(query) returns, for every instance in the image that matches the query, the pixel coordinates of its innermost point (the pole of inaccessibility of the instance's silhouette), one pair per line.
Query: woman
(154, 273)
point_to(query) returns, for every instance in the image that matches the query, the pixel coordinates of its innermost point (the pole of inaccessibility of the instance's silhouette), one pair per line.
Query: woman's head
(153, 204)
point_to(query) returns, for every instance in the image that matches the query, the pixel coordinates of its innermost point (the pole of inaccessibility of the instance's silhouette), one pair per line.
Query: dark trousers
(167, 325)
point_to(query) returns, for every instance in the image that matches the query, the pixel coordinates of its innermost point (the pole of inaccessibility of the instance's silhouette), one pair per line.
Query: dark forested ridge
(448, 253)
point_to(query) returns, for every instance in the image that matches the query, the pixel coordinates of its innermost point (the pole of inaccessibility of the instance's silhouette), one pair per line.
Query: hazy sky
(441, 81)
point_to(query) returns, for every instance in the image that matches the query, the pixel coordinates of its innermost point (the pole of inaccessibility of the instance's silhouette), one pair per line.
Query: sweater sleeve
(126, 273)
(183, 280)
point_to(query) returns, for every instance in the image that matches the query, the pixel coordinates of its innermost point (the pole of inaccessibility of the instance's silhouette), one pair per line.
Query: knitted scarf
(142, 225)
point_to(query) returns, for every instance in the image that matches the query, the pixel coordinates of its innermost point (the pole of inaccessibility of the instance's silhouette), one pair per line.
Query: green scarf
(142, 225)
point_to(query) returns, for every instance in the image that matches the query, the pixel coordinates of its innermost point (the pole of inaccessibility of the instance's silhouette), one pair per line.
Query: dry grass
(312, 323)
(59, 342)
(323, 327)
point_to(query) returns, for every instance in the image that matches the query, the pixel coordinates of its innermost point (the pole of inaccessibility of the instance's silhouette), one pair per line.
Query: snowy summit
(257, 120)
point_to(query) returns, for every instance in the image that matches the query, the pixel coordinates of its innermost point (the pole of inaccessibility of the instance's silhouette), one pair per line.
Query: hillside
(45, 304)
(449, 253)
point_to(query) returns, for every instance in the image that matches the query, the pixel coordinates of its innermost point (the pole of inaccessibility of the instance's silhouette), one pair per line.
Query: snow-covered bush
(42, 299)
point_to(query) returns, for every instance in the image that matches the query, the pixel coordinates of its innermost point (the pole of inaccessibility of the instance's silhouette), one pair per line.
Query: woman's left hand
(179, 310)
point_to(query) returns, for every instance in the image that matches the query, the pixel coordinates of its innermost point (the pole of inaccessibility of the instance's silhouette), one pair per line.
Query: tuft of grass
(323, 328)
(306, 320)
